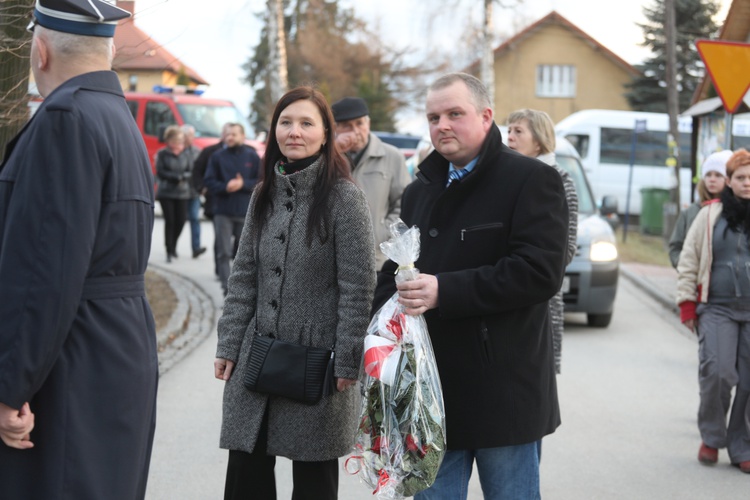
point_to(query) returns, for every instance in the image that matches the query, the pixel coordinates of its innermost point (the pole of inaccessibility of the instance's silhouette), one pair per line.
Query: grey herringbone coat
(314, 295)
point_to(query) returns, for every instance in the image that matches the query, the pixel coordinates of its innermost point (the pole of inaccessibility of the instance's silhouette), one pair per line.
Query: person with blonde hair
(173, 178)
(712, 183)
(532, 133)
(713, 292)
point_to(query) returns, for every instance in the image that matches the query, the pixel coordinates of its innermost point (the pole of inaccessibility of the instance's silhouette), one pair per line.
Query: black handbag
(298, 372)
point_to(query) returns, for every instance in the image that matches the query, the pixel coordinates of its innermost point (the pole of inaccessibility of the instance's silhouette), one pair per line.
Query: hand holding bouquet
(401, 438)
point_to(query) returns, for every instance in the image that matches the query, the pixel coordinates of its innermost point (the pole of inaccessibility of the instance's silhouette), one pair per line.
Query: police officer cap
(349, 108)
(79, 17)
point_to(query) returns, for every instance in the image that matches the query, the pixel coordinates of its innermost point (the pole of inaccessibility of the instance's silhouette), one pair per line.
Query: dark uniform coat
(497, 241)
(77, 336)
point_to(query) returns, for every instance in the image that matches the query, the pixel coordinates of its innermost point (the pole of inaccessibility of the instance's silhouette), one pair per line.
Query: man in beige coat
(378, 168)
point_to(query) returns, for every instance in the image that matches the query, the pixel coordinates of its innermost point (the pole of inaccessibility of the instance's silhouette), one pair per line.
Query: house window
(556, 80)
(133, 83)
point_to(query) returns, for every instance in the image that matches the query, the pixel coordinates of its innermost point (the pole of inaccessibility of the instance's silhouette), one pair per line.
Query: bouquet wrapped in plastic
(401, 437)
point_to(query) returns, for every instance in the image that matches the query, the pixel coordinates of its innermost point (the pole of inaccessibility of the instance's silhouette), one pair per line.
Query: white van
(603, 138)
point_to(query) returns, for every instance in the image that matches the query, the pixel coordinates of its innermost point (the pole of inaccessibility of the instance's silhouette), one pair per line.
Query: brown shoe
(708, 455)
(745, 466)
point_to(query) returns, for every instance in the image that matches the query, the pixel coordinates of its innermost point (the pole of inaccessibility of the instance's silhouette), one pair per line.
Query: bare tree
(15, 47)
(277, 50)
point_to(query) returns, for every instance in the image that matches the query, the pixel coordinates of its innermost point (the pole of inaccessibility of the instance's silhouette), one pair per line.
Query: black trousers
(175, 215)
(250, 476)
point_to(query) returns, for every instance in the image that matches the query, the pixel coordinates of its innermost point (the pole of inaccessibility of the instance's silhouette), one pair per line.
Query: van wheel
(599, 320)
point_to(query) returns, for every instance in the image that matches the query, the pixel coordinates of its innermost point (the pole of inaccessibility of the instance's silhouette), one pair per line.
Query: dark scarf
(736, 211)
(286, 167)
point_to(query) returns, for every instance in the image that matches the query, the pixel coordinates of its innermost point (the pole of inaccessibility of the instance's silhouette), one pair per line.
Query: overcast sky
(215, 37)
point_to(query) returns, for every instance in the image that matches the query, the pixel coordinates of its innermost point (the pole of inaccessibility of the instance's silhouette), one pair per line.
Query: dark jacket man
(496, 243)
(224, 165)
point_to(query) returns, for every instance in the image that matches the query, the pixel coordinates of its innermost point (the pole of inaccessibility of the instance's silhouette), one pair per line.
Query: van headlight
(603, 251)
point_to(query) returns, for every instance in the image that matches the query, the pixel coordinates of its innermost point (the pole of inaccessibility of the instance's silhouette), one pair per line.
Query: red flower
(397, 325)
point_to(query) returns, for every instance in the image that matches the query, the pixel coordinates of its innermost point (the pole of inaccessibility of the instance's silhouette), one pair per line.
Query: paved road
(628, 395)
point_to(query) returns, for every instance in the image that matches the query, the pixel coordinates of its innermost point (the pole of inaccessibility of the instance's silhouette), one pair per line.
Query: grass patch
(643, 248)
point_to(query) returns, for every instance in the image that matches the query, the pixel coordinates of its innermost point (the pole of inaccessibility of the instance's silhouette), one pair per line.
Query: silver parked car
(590, 282)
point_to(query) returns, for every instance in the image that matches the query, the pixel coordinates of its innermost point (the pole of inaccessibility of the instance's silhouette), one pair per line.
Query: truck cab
(154, 112)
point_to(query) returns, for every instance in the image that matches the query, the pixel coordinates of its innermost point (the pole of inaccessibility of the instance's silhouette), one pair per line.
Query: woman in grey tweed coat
(532, 133)
(304, 273)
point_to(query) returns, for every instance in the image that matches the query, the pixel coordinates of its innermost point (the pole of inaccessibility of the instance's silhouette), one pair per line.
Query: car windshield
(209, 118)
(571, 165)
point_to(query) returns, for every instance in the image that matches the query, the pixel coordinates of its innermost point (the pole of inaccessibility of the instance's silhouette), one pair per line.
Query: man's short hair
(234, 124)
(479, 94)
(76, 47)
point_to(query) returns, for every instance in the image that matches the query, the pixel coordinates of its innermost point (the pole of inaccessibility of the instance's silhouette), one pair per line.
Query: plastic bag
(401, 437)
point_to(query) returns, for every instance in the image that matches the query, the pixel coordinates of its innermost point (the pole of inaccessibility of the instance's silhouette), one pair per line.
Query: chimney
(128, 5)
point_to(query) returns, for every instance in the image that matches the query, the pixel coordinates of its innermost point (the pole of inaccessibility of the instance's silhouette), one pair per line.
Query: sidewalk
(660, 282)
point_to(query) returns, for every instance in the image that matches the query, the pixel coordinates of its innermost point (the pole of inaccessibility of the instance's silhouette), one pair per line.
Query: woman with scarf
(304, 273)
(713, 292)
(714, 172)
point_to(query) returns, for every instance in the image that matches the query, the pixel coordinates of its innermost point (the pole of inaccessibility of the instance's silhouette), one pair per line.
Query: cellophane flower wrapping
(401, 437)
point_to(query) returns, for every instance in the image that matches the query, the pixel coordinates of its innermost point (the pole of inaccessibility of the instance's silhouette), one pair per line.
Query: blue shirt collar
(469, 166)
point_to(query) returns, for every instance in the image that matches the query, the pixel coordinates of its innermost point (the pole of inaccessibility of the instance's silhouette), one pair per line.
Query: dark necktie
(456, 175)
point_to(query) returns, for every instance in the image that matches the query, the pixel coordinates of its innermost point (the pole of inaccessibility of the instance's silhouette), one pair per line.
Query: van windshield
(571, 165)
(209, 118)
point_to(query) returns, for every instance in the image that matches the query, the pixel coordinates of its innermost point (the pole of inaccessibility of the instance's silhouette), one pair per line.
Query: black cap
(349, 108)
(79, 17)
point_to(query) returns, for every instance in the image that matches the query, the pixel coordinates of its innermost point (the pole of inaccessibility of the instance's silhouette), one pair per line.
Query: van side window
(158, 117)
(616, 143)
(580, 142)
(133, 106)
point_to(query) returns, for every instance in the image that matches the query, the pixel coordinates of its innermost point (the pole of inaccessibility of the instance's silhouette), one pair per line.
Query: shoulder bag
(298, 372)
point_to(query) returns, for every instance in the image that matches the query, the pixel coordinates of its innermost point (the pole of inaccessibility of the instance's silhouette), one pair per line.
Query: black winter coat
(497, 242)
(174, 175)
(77, 339)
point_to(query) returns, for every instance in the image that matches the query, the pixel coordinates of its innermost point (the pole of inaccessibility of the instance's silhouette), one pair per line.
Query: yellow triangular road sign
(728, 63)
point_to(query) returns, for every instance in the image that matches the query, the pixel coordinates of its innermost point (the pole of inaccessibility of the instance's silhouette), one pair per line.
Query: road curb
(651, 290)
(191, 322)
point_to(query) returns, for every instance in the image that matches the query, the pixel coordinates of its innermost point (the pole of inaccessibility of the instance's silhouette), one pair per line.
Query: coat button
(277, 271)
(289, 192)
(433, 232)
(274, 304)
(281, 237)
(289, 206)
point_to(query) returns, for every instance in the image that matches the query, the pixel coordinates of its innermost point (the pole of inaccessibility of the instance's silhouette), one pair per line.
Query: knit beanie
(716, 162)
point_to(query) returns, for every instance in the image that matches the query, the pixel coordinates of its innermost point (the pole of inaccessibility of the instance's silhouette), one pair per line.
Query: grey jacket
(382, 175)
(684, 220)
(318, 295)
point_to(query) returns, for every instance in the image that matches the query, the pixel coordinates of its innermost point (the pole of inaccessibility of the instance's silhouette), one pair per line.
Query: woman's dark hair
(336, 166)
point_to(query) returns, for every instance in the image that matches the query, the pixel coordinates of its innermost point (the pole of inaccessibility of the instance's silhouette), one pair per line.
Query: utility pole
(670, 32)
(277, 50)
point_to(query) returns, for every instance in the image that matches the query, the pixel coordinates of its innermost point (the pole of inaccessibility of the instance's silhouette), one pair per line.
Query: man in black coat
(78, 364)
(493, 246)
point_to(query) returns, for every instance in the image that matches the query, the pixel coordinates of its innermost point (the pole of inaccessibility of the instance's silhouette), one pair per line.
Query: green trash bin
(652, 209)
